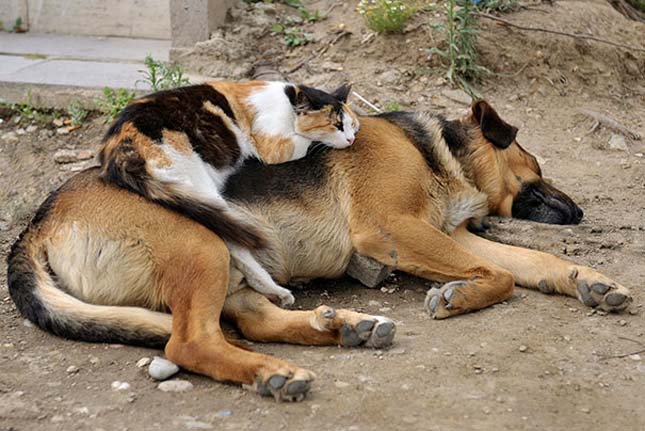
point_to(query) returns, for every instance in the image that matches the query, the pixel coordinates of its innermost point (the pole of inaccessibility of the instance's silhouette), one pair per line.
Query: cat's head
(325, 117)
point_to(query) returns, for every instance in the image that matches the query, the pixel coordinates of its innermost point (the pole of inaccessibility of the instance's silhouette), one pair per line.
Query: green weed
(113, 102)
(77, 113)
(161, 76)
(386, 16)
(460, 54)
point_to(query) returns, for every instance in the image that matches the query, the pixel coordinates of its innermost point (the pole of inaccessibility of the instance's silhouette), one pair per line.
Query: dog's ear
(496, 130)
(342, 92)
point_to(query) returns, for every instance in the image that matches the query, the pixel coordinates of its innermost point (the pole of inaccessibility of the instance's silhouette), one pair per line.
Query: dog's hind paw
(284, 385)
(355, 329)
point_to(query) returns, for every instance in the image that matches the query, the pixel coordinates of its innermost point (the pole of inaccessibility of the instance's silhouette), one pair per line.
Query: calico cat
(178, 147)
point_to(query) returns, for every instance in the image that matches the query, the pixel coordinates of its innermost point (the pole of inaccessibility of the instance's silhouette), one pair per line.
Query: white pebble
(523, 348)
(175, 386)
(162, 369)
(27, 323)
(143, 362)
(72, 369)
(120, 386)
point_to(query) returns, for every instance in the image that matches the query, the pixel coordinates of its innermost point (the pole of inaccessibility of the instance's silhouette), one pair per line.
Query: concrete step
(56, 70)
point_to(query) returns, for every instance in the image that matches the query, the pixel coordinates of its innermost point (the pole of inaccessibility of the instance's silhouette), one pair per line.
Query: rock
(71, 156)
(224, 414)
(198, 425)
(367, 270)
(458, 96)
(390, 77)
(617, 142)
(58, 122)
(162, 369)
(120, 386)
(62, 131)
(331, 66)
(72, 369)
(176, 385)
(622, 322)
(341, 385)
(27, 323)
(374, 304)
(32, 128)
(635, 357)
(143, 362)
(10, 137)
(20, 131)
(94, 360)
(523, 348)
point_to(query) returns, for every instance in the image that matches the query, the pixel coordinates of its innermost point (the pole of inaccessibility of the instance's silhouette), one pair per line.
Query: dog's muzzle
(541, 202)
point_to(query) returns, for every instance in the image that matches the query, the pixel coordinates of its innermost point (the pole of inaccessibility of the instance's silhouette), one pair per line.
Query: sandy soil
(535, 362)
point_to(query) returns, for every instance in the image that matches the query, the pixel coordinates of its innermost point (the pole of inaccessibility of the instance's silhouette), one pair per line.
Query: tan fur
(178, 140)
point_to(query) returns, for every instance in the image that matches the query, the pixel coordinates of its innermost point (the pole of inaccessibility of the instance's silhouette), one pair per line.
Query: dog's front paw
(596, 290)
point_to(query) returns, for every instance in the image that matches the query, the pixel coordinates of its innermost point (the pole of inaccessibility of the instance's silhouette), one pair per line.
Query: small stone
(341, 385)
(20, 131)
(62, 131)
(27, 323)
(72, 369)
(330, 66)
(162, 369)
(58, 122)
(397, 351)
(145, 361)
(198, 425)
(617, 142)
(71, 156)
(120, 386)
(635, 357)
(458, 96)
(94, 360)
(32, 128)
(224, 414)
(374, 304)
(10, 138)
(622, 322)
(585, 410)
(176, 385)
(523, 348)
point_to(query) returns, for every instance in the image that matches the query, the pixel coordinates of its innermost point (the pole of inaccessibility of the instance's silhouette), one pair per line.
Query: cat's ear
(342, 92)
(303, 103)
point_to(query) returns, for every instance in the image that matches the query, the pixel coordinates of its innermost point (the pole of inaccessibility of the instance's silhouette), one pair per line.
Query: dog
(98, 263)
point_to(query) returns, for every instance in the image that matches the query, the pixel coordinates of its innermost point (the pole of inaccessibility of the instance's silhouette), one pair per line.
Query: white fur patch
(274, 114)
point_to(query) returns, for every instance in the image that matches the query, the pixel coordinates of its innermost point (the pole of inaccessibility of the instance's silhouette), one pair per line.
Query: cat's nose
(350, 141)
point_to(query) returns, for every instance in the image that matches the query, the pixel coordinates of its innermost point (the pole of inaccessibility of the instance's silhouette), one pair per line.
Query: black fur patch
(318, 99)
(256, 182)
(290, 91)
(456, 136)
(417, 133)
(182, 110)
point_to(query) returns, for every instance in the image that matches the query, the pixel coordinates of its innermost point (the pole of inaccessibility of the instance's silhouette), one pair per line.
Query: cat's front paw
(282, 297)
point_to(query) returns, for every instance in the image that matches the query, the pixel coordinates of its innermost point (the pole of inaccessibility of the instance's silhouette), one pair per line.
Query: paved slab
(84, 47)
(74, 73)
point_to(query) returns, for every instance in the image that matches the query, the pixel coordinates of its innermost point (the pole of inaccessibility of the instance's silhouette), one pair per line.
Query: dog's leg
(548, 273)
(416, 247)
(194, 284)
(260, 320)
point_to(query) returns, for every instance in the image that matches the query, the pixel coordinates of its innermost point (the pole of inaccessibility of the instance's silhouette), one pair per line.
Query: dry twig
(610, 123)
(561, 33)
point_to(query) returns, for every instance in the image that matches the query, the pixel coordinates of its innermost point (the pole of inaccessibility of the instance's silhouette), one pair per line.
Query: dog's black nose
(578, 214)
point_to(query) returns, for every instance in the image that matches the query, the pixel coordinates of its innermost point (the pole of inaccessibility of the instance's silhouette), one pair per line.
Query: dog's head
(510, 175)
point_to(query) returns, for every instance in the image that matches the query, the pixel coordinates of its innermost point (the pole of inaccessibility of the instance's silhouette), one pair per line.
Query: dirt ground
(534, 362)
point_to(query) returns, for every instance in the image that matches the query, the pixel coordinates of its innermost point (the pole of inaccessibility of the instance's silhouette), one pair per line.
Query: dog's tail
(40, 299)
(124, 166)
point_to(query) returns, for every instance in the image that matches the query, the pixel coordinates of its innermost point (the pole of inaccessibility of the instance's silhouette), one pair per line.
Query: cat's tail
(127, 168)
